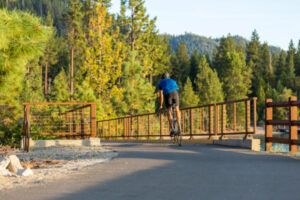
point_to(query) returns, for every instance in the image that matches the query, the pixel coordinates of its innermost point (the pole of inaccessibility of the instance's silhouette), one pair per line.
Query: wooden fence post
(93, 120)
(254, 114)
(210, 116)
(27, 129)
(149, 126)
(116, 137)
(216, 119)
(234, 116)
(247, 116)
(223, 120)
(293, 128)
(138, 127)
(182, 119)
(200, 120)
(191, 123)
(268, 127)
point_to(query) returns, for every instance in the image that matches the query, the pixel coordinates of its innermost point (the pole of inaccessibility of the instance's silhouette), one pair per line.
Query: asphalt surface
(168, 172)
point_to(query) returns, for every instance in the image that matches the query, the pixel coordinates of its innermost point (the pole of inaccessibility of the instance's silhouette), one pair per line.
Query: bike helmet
(165, 75)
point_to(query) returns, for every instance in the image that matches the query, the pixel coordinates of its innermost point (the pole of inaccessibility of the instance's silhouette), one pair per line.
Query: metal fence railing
(220, 119)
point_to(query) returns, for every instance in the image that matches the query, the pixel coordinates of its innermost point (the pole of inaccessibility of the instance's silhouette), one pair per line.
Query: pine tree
(60, 90)
(297, 60)
(208, 85)
(264, 66)
(103, 56)
(194, 62)
(180, 65)
(73, 19)
(188, 98)
(22, 38)
(290, 68)
(50, 55)
(227, 45)
(252, 51)
(236, 77)
(138, 92)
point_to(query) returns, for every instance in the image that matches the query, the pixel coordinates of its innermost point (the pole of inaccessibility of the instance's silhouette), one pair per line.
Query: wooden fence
(292, 123)
(220, 119)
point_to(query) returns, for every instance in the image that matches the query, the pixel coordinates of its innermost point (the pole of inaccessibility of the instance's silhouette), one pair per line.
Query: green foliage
(180, 65)
(208, 86)
(188, 98)
(138, 92)
(237, 77)
(60, 90)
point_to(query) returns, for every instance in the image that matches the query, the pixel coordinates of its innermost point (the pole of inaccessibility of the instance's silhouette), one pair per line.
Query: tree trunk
(150, 78)
(23, 4)
(7, 4)
(72, 72)
(41, 8)
(132, 32)
(46, 79)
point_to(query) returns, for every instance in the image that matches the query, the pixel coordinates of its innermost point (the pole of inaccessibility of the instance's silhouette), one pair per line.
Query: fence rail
(70, 120)
(292, 122)
(220, 119)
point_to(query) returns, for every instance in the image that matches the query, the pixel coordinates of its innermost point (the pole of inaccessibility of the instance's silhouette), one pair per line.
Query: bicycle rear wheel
(178, 133)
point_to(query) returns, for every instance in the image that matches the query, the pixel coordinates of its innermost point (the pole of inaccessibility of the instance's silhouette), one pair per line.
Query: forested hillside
(77, 51)
(206, 45)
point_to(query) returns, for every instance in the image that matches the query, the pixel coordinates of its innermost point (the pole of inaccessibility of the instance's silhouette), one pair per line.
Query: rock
(25, 172)
(4, 172)
(4, 162)
(14, 164)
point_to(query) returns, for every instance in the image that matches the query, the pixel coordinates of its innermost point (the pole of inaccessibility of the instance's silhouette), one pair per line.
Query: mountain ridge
(206, 44)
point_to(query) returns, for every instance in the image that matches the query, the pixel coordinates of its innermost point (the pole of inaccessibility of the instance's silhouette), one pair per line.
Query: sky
(276, 21)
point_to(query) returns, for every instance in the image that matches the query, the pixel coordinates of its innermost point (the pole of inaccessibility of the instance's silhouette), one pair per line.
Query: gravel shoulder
(70, 160)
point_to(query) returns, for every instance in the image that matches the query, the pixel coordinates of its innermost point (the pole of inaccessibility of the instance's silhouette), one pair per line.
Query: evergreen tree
(138, 92)
(297, 60)
(194, 62)
(227, 45)
(60, 90)
(252, 51)
(264, 65)
(22, 38)
(290, 68)
(73, 19)
(180, 65)
(50, 54)
(208, 85)
(236, 77)
(103, 56)
(188, 98)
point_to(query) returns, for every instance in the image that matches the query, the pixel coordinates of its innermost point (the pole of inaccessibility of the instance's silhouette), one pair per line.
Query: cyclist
(168, 90)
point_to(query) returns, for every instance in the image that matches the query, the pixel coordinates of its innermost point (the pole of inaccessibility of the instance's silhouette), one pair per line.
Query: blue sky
(276, 21)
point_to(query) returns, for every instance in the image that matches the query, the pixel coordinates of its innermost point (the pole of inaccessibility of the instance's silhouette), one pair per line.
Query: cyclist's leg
(170, 118)
(178, 115)
(177, 111)
(168, 104)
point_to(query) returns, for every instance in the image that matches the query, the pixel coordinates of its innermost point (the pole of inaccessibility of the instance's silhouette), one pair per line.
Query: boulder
(25, 172)
(14, 164)
(4, 162)
(4, 172)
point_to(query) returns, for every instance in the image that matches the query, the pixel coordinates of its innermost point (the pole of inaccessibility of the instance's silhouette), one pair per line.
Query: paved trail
(168, 172)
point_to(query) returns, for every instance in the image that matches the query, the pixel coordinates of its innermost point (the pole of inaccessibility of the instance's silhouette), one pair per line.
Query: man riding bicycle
(168, 90)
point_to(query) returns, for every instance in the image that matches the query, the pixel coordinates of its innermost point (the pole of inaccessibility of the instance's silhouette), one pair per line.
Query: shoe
(172, 132)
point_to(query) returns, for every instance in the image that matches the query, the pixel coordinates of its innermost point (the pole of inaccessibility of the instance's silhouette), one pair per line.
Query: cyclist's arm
(161, 97)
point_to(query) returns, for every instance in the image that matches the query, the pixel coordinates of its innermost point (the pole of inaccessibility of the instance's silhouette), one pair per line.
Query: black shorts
(171, 98)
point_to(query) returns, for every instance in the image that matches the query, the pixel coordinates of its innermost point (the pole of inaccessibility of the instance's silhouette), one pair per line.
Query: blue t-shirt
(167, 85)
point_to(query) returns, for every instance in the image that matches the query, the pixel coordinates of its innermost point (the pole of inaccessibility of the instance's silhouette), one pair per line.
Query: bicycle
(177, 136)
